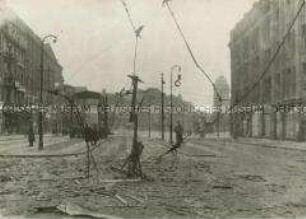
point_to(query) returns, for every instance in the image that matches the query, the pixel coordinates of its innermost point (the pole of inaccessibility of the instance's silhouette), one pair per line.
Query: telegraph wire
(94, 57)
(166, 2)
(91, 59)
(97, 35)
(101, 52)
(278, 49)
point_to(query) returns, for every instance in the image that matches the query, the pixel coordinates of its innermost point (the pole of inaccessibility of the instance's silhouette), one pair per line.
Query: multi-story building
(271, 87)
(20, 64)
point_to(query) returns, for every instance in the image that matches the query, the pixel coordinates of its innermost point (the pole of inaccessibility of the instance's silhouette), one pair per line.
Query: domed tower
(223, 89)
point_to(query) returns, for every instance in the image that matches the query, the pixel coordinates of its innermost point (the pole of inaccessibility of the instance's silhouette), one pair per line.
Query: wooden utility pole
(149, 115)
(88, 160)
(171, 108)
(162, 108)
(134, 168)
(105, 117)
(218, 124)
(178, 68)
(71, 127)
(218, 118)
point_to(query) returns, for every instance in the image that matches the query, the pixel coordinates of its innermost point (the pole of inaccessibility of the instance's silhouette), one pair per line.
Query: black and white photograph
(119, 109)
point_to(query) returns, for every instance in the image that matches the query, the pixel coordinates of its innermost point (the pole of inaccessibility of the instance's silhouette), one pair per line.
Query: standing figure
(31, 136)
(179, 134)
(87, 134)
(95, 135)
(178, 129)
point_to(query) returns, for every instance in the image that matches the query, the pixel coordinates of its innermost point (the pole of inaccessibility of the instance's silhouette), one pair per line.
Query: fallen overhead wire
(107, 48)
(166, 2)
(164, 144)
(278, 49)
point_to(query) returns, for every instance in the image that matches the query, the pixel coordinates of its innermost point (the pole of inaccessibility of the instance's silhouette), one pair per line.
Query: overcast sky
(96, 42)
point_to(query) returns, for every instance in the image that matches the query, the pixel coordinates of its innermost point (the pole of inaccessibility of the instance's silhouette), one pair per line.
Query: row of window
(8, 48)
(281, 86)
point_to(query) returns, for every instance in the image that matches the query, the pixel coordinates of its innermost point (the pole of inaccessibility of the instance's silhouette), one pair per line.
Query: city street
(152, 109)
(208, 178)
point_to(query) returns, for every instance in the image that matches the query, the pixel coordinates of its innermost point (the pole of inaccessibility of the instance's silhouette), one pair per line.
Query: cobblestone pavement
(207, 179)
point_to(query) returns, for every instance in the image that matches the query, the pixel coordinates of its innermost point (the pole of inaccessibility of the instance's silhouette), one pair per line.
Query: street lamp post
(40, 114)
(9, 85)
(149, 120)
(171, 108)
(178, 68)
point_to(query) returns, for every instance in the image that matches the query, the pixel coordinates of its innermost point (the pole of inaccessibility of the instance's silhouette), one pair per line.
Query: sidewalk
(269, 143)
(51, 143)
(285, 145)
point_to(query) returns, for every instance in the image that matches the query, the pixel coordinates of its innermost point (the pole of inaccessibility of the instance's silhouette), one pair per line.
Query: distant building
(20, 64)
(223, 90)
(69, 90)
(21, 59)
(221, 102)
(253, 43)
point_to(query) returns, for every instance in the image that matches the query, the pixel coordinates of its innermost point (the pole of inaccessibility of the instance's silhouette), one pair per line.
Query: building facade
(20, 66)
(276, 90)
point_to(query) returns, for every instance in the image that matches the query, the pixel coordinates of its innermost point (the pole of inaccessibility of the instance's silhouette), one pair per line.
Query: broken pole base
(133, 161)
(133, 170)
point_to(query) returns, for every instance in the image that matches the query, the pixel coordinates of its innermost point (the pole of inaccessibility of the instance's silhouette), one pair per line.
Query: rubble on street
(174, 186)
(152, 109)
